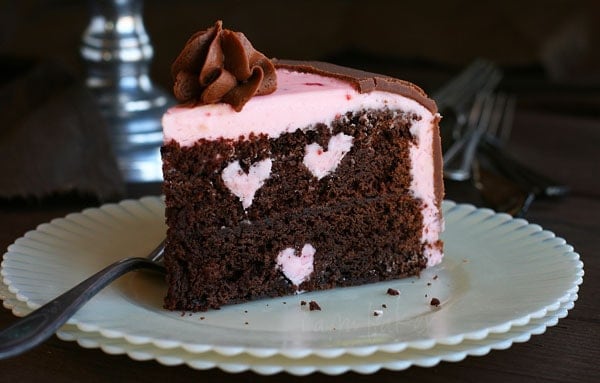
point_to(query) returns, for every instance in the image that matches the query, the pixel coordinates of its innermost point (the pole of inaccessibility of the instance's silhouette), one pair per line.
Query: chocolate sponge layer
(361, 219)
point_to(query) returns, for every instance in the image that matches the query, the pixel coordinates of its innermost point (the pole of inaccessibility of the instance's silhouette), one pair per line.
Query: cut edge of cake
(316, 122)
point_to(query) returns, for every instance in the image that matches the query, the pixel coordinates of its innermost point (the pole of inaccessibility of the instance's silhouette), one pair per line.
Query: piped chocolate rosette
(220, 65)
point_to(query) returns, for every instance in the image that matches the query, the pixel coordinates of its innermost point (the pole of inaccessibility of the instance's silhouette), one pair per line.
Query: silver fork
(487, 115)
(499, 189)
(481, 76)
(33, 329)
(454, 99)
(494, 147)
(492, 153)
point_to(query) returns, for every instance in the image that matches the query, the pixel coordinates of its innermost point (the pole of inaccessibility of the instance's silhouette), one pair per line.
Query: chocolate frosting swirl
(219, 65)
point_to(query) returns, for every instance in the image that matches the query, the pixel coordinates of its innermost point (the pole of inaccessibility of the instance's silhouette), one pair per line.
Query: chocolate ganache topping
(220, 65)
(363, 82)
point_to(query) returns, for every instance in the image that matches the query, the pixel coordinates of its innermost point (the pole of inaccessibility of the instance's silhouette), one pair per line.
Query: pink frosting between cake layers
(303, 100)
(422, 185)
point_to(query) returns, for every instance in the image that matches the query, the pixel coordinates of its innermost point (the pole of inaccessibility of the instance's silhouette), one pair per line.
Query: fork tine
(455, 99)
(495, 127)
(481, 75)
(509, 116)
(501, 126)
(486, 111)
(449, 92)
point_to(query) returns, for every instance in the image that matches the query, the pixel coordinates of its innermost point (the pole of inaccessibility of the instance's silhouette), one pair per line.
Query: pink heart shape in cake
(322, 162)
(297, 267)
(244, 185)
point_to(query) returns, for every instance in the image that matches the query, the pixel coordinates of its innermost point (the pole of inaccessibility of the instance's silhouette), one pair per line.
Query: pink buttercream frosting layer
(303, 100)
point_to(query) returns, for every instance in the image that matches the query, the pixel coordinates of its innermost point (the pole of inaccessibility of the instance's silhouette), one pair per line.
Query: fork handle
(540, 184)
(466, 148)
(33, 329)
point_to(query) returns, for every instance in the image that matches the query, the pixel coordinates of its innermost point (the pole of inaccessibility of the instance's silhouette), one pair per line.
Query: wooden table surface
(556, 131)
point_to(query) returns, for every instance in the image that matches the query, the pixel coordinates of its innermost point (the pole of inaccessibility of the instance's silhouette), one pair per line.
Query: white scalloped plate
(304, 366)
(498, 272)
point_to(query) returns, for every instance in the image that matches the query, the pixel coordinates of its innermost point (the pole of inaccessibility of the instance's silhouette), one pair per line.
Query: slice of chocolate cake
(282, 177)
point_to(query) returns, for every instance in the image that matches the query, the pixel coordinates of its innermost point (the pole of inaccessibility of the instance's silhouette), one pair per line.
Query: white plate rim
(461, 211)
(303, 366)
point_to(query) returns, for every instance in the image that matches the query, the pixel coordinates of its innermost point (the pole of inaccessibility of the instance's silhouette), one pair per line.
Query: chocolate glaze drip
(219, 65)
(365, 82)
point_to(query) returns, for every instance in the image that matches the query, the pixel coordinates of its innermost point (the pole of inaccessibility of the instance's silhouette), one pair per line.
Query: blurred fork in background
(481, 76)
(485, 116)
(455, 99)
(475, 129)
(499, 191)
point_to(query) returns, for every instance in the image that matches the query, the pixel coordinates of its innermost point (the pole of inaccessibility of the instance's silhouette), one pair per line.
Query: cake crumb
(302, 303)
(284, 302)
(435, 277)
(245, 322)
(428, 283)
(312, 305)
(377, 313)
(202, 318)
(384, 305)
(391, 291)
(435, 302)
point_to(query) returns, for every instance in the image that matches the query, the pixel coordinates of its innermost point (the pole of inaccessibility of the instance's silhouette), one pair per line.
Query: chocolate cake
(283, 176)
